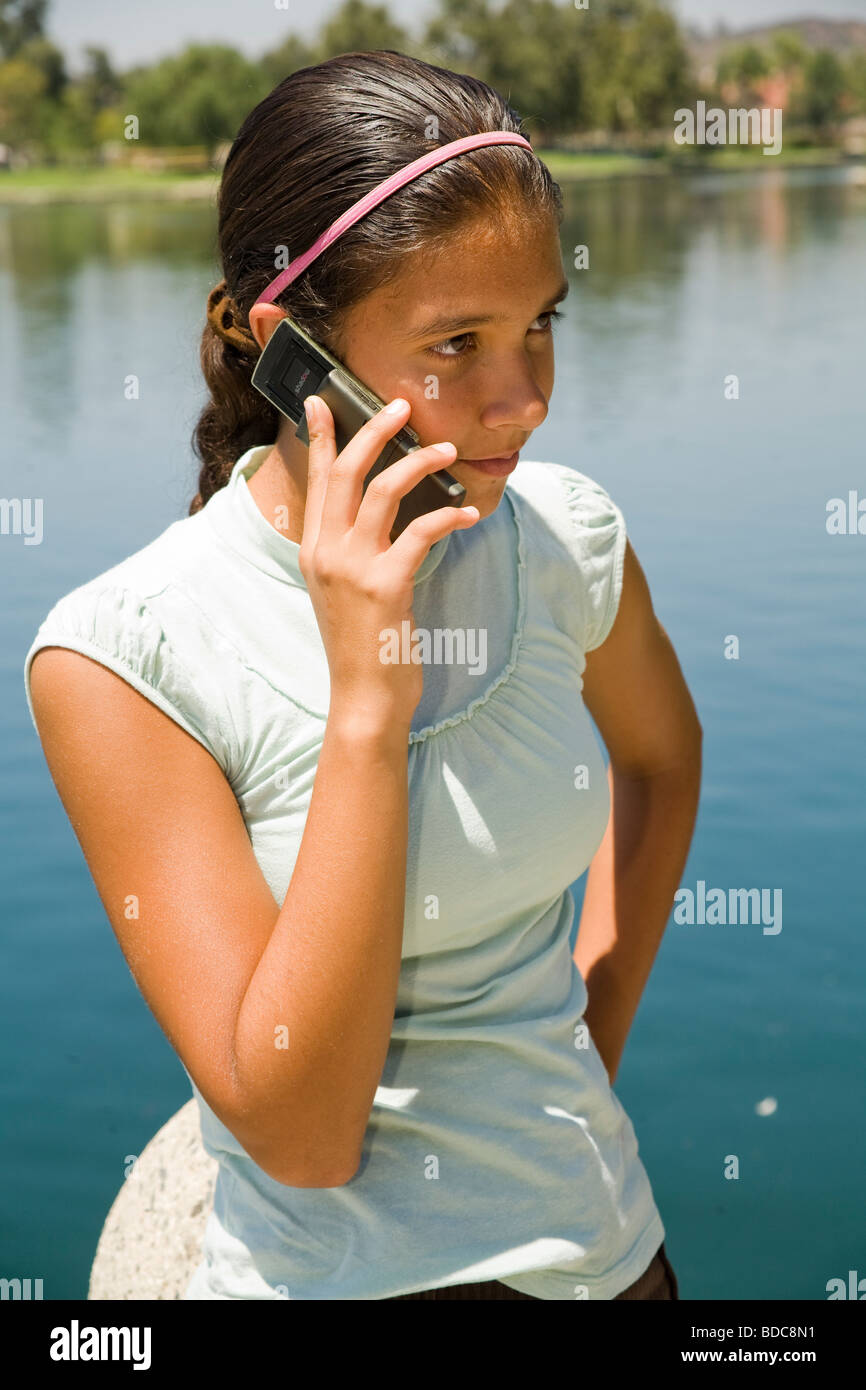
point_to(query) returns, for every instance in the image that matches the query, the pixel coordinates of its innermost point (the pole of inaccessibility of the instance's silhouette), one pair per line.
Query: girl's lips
(496, 468)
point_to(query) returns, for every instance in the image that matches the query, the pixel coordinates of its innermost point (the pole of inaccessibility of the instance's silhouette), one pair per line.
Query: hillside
(842, 36)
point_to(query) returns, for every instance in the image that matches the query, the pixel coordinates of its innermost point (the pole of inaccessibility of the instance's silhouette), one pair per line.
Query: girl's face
(465, 335)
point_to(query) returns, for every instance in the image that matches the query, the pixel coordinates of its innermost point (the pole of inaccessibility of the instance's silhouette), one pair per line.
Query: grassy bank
(62, 184)
(566, 166)
(66, 184)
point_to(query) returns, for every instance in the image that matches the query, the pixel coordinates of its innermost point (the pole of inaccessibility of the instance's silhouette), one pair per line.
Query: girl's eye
(439, 349)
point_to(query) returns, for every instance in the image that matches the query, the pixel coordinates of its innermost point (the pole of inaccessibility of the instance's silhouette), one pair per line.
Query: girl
(341, 878)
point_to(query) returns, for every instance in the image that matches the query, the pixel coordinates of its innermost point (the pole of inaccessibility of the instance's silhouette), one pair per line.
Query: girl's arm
(281, 1015)
(635, 691)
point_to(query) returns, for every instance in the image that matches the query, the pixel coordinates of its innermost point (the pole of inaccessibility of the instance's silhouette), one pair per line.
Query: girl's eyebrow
(444, 324)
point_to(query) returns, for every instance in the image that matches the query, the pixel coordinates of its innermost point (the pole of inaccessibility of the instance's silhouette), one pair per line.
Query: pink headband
(378, 195)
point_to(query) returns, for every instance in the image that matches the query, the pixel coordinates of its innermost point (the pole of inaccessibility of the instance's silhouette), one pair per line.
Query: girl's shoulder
(577, 534)
(560, 494)
(139, 618)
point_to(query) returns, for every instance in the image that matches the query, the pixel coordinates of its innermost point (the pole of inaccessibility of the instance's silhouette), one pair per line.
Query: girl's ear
(263, 320)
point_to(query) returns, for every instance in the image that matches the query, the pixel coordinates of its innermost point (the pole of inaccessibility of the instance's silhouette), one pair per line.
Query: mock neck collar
(235, 515)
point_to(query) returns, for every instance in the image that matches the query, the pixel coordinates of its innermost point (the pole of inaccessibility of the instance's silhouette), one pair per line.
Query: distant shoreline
(51, 185)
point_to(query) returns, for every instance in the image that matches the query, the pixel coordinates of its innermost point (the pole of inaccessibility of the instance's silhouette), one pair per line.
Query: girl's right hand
(361, 585)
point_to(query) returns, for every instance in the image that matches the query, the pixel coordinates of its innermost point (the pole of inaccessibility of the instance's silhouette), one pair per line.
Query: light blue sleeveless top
(496, 1148)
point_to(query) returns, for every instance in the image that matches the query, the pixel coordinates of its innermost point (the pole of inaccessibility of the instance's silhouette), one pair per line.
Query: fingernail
(310, 408)
(395, 407)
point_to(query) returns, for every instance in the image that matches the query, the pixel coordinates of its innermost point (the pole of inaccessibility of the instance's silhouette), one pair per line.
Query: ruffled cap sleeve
(598, 534)
(121, 631)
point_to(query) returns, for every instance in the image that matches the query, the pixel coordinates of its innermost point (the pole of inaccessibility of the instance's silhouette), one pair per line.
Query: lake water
(747, 1043)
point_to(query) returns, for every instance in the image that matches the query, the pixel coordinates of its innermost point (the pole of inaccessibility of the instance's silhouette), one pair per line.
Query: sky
(139, 33)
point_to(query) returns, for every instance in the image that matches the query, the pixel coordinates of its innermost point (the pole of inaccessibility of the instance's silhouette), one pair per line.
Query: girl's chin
(486, 499)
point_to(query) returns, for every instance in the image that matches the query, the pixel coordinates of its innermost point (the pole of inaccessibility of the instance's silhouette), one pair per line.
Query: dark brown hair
(324, 137)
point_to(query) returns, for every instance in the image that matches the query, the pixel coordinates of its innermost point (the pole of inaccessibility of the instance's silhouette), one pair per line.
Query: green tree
(825, 86)
(789, 52)
(617, 64)
(20, 22)
(744, 64)
(652, 73)
(358, 27)
(855, 81)
(546, 69)
(637, 66)
(199, 97)
(101, 85)
(606, 105)
(70, 127)
(23, 106)
(463, 35)
(291, 55)
(46, 56)
(532, 52)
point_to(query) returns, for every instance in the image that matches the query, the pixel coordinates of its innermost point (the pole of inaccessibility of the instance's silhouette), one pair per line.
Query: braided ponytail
(320, 140)
(237, 416)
